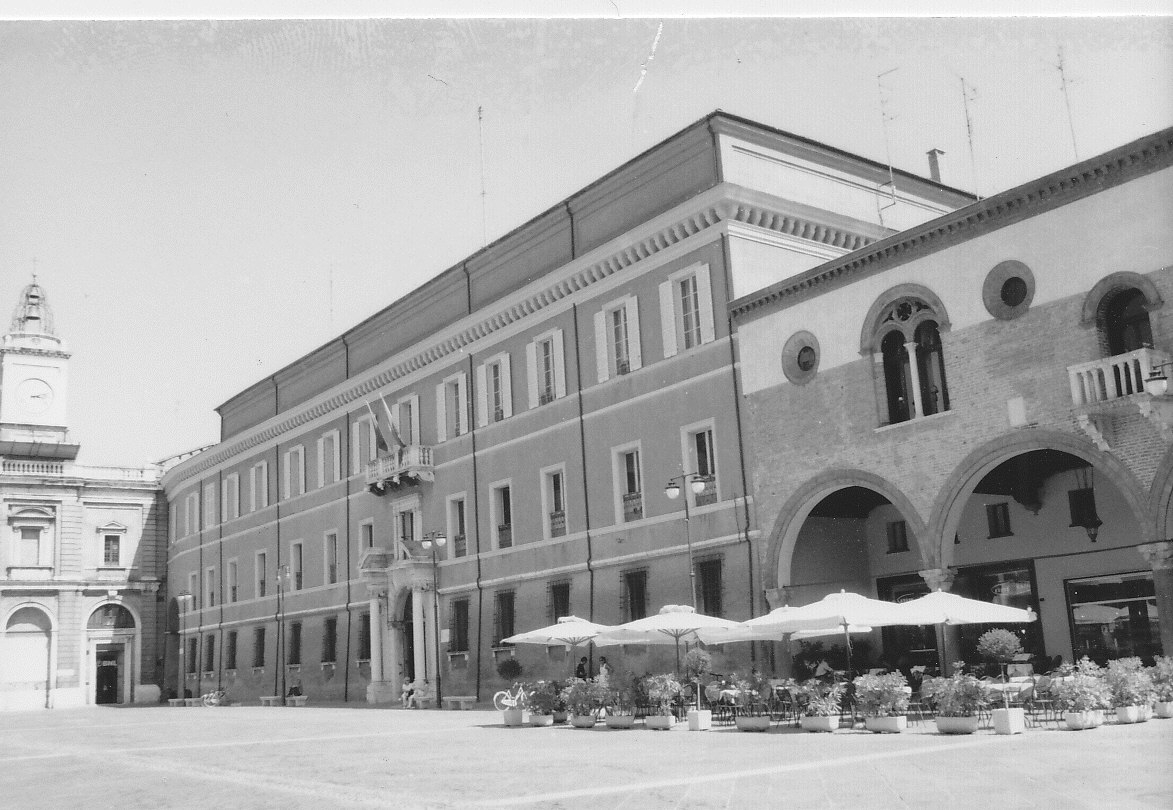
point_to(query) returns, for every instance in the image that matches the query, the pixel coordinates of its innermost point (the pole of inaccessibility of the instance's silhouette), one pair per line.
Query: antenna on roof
(1066, 100)
(968, 94)
(481, 144)
(885, 117)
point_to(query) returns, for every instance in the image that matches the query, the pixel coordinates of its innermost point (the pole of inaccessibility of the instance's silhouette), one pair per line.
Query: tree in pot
(820, 704)
(620, 705)
(584, 699)
(662, 692)
(1131, 688)
(753, 712)
(542, 697)
(561, 710)
(697, 665)
(1081, 694)
(883, 700)
(957, 699)
(1162, 676)
(1001, 646)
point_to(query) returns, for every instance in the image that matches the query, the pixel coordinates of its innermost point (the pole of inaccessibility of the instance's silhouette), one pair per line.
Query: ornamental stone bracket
(1159, 411)
(1158, 555)
(1098, 427)
(938, 579)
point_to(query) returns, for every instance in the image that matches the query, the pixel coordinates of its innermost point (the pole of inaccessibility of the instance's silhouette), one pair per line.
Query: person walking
(581, 672)
(604, 672)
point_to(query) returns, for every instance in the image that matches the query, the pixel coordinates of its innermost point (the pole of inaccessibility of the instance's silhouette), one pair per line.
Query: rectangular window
(407, 423)
(545, 360)
(897, 536)
(329, 640)
(329, 459)
(617, 338)
(708, 585)
(193, 587)
(559, 601)
(364, 636)
(703, 459)
(459, 630)
(634, 595)
(209, 653)
(331, 558)
(209, 505)
(258, 646)
(686, 310)
(233, 582)
(230, 498)
(690, 327)
(193, 655)
(112, 551)
(494, 390)
(620, 353)
(628, 478)
(295, 643)
(502, 616)
(230, 650)
(545, 351)
(259, 569)
(363, 448)
(296, 566)
(998, 518)
(456, 527)
(503, 511)
(556, 501)
(1114, 616)
(258, 476)
(30, 546)
(294, 472)
(367, 533)
(210, 587)
(451, 408)
(405, 525)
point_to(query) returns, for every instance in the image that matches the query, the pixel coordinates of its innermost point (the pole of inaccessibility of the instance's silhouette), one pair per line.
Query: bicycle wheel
(503, 701)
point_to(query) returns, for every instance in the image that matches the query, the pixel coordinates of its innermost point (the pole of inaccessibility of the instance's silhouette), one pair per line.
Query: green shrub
(881, 695)
(510, 669)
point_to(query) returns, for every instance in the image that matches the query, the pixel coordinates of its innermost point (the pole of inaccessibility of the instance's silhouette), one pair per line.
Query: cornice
(1146, 155)
(725, 203)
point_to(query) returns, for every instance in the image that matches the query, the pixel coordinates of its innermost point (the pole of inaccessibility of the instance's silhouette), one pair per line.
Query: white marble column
(948, 641)
(914, 383)
(419, 642)
(378, 621)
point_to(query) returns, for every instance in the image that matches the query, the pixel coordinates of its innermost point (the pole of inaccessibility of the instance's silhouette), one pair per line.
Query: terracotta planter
(700, 719)
(830, 723)
(541, 719)
(957, 725)
(1163, 708)
(1132, 714)
(561, 717)
(515, 717)
(1009, 721)
(1077, 721)
(886, 725)
(620, 720)
(749, 723)
(582, 720)
(659, 722)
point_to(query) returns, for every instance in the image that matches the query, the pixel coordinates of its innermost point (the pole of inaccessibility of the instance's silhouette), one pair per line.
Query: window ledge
(918, 421)
(327, 665)
(452, 656)
(258, 670)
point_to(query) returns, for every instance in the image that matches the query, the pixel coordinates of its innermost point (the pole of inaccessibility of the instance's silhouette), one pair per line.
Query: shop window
(1114, 616)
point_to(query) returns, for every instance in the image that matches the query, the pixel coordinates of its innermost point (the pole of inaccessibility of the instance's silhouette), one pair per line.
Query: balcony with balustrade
(1110, 386)
(401, 467)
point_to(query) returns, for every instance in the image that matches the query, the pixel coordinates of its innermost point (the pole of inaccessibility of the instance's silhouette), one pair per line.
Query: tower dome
(32, 315)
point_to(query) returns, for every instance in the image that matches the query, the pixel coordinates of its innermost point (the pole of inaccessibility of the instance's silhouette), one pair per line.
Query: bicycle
(509, 699)
(217, 697)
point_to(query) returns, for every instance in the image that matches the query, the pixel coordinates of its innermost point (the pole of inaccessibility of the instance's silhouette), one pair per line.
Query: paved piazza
(245, 757)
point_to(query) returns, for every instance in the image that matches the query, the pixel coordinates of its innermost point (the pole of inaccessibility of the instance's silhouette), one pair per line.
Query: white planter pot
(515, 717)
(957, 725)
(700, 719)
(582, 720)
(1077, 721)
(886, 725)
(541, 720)
(820, 723)
(1131, 714)
(561, 717)
(619, 720)
(747, 723)
(1163, 708)
(1009, 721)
(1097, 717)
(659, 722)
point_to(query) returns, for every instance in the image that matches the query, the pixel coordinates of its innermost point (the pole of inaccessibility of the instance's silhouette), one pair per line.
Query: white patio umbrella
(669, 626)
(943, 607)
(570, 631)
(799, 635)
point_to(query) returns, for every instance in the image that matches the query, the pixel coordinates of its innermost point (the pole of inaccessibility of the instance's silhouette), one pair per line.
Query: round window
(806, 358)
(1013, 291)
(1008, 290)
(800, 358)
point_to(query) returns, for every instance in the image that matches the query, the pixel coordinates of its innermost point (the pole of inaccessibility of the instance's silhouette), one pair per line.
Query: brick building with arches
(1001, 428)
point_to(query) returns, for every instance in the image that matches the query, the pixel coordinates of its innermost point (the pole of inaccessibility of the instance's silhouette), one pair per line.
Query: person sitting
(421, 692)
(408, 691)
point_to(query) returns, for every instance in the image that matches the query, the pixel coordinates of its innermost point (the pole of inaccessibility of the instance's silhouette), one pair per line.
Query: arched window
(1125, 322)
(907, 340)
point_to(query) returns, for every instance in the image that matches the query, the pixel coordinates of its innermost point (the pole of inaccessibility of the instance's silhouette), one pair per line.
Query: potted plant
(1162, 677)
(957, 698)
(542, 698)
(620, 707)
(662, 690)
(883, 700)
(820, 711)
(1080, 695)
(1131, 688)
(1001, 646)
(698, 664)
(753, 714)
(584, 699)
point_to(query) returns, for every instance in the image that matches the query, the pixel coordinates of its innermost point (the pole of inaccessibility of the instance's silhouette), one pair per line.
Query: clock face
(34, 396)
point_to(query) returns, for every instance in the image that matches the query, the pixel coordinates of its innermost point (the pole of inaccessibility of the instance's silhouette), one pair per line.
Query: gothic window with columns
(907, 346)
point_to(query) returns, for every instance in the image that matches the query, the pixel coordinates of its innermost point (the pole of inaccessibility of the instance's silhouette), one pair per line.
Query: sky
(206, 201)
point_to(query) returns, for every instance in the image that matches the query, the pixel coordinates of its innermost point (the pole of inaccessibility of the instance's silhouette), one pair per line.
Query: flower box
(1163, 708)
(1009, 721)
(748, 722)
(893, 724)
(1132, 714)
(659, 722)
(700, 719)
(1078, 721)
(583, 720)
(957, 725)
(541, 720)
(820, 723)
(619, 720)
(514, 717)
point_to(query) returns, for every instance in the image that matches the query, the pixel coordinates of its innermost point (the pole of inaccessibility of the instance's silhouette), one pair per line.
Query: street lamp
(431, 542)
(672, 490)
(283, 577)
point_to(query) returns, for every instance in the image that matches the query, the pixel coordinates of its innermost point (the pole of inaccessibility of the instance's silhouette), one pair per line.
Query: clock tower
(34, 371)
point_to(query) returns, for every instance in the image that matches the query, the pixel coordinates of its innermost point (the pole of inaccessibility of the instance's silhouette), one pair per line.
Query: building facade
(964, 406)
(529, 404)
(84, 558)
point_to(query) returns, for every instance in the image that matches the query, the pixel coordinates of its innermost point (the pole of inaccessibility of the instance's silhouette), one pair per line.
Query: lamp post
(183, 601)
(283, 576)
(672, 490)
(431, 542)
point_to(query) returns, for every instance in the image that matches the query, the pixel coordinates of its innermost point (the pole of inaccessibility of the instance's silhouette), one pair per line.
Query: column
(948, 644)
(430, 641)
(377, 623)
(1160, 557)
(419, 643)
(914, 369)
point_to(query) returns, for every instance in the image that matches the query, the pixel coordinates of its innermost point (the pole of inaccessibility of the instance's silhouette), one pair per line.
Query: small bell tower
(34, 376)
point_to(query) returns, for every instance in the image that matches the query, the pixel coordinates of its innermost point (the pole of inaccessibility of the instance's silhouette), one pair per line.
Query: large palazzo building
(529, 403)
(84, 557)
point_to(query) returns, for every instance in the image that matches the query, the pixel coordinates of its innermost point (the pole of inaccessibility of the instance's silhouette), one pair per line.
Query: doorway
(107, 677)
(408, 646)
